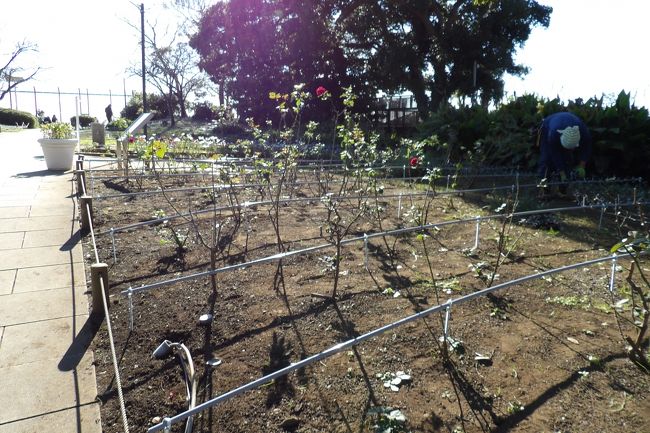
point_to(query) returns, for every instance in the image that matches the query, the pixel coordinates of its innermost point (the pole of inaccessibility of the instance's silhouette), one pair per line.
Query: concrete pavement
(47, 376)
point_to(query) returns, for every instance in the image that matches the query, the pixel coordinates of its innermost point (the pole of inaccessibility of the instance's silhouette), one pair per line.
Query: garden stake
(365, 250)
(600, 221)
(399, 206)
(611, 278)
(113, 242)
(448, 177)
(584, 199)
(404, 172)
(130, 296)
(478, 231)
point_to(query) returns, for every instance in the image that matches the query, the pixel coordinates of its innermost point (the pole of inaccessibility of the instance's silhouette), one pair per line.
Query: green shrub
(15, 117)
(205, 112)
(156, 104)
(119, 124)
(84, 120)
(507, 134)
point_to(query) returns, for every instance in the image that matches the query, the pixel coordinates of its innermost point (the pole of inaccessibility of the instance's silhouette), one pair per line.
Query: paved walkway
(47, 376)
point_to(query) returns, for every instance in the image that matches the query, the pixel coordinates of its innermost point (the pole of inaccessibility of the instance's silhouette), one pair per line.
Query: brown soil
(539, 376)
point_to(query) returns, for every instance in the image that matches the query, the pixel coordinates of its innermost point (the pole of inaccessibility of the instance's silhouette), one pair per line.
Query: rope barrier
(118, 381)
(111, 340)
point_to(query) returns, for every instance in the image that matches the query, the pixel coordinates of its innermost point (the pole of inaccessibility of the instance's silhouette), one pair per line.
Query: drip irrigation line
(256, 203)
(297, 199)
(206, 173)
(224, 187)
(169, 421)
(311, 164)
(280, 256)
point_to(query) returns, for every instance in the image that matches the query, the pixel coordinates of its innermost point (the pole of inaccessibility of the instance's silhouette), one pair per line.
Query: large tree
(252, 47)
(429, 48)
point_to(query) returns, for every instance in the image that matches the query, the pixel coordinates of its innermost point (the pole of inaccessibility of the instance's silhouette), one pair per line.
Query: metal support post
(130, 296)
(600, 221)
(113, 243)
(365, 250)
(611, 278)
(399, 206)
(478, 232)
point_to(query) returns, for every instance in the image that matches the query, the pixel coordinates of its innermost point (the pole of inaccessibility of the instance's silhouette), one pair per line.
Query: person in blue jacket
(565, 146)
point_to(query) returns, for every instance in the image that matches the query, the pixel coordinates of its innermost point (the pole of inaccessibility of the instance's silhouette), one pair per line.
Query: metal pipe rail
(296, 200)
(280, 256)
(223, 187)
(305, 170)
(167, 422)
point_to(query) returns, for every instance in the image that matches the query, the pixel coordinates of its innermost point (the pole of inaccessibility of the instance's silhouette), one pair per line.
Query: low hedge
(84, 120)
(15, 117)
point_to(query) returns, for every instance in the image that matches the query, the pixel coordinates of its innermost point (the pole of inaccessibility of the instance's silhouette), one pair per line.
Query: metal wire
(167, 422)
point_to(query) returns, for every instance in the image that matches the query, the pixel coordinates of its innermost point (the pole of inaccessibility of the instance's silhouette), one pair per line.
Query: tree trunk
(182, 105)
(222, 94)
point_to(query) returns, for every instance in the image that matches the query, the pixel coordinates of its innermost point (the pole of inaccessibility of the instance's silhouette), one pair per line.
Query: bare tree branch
(10, 70)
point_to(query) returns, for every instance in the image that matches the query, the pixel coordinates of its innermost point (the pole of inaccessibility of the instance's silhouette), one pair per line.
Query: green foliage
(507, 135)
(84, 120)
(119, 124)
(205, 112)
(15, 117)
(57, 130)
(156, 104)
(427, 48)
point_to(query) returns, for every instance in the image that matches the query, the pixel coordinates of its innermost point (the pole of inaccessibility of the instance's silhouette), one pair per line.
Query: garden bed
(546, 355)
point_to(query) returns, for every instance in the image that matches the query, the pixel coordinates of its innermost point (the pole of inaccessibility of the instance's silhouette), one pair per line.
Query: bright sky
(591, 47)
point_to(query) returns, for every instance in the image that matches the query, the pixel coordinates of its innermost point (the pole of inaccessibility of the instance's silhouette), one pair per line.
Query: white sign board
(137, 125)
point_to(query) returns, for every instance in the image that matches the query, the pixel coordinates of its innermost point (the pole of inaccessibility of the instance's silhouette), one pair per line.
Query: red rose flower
(413, 162)
(131, 139)
(320, 91)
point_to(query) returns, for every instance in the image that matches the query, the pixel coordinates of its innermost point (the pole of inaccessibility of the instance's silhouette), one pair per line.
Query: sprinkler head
(163, 350)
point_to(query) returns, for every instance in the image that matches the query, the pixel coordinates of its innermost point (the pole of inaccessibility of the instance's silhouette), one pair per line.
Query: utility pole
(144, 78)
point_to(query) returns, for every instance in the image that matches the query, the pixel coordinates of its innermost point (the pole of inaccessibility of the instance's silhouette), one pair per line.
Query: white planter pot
(59, 153)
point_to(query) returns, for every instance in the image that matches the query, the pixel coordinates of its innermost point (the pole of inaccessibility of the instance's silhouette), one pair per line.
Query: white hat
(570, 137)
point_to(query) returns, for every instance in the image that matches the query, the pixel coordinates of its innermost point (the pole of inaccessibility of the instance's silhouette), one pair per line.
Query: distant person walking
(109, 113)
(565, 144)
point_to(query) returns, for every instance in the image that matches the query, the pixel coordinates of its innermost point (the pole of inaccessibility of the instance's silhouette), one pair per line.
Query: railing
(99, 274)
